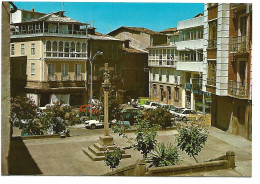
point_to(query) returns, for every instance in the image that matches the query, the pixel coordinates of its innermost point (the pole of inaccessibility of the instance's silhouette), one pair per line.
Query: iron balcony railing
(212, 43)
(238, 89)
(65, 77)
(54, 31)
(52, 78)
(239, 44)
(211, 82)
(78, 77)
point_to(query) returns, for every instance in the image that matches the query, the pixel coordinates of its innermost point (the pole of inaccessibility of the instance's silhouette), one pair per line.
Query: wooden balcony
(211, 82)
(212, 43)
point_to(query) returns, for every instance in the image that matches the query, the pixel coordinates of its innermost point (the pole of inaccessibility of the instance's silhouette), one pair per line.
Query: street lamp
(91, 61)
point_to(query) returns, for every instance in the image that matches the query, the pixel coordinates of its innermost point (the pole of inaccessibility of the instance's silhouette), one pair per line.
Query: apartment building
(227, 65)
(56, 50)
(164, 81)
(190, 61)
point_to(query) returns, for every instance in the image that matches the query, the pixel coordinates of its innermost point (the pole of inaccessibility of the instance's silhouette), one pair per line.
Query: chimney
(32, 9)
(126, 43)
(91, 30)
(61, 13)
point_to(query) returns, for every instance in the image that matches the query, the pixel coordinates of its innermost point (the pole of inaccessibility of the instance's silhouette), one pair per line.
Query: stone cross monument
(97, 152)
(106, 139)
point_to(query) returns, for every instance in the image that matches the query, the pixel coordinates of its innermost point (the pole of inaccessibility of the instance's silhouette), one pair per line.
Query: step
(94, 157)
(102, 148)
(100, 153)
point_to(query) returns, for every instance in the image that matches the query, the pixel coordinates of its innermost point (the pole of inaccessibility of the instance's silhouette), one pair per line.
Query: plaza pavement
(64, 156)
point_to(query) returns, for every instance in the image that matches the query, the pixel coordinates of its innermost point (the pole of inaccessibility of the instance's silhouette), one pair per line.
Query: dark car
(129, 114)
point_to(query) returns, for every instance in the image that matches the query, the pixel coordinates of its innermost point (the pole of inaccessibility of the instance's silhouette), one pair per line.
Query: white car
(93, 124)
(45, 107)
(151, 105)
(175, 110)
(184, 114)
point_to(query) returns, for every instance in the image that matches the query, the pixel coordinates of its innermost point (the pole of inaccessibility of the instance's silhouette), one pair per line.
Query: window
(22, 49)
(54, 49)
(153, 74)
(176, 94)
(211, 78)
(12, 49)
(48, 49)
(32, 69)
(212, 42)
(32, 48)
(243, 25)
(67, 49)
(51, 69)
(77, 69)
(77, 72)
(60, 49)
(154, 90)
(65, 69)
(160, 74)
(167, 75)
(169, 93)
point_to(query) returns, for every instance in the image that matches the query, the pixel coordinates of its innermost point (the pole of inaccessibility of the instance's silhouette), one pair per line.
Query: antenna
(63, 6)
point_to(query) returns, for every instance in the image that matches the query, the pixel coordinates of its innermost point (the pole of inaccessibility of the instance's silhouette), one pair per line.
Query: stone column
(106, 125)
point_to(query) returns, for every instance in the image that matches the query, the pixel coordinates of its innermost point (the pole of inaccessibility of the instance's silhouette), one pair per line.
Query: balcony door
(65, 71)
(242, 71)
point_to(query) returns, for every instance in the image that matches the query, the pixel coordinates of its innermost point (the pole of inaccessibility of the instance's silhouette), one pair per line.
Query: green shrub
(112, 159)
(163, 156)
(191, 139)
(158, 116)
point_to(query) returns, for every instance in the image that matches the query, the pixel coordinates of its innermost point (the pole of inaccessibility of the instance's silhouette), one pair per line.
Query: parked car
(45, 107)
(150, 105)
(166, 106)
(129, 114)
(97, 123)
(82, 109)
(174, 110)
(184, 114)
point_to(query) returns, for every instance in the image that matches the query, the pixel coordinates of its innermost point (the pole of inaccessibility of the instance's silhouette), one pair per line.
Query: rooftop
(137, 29)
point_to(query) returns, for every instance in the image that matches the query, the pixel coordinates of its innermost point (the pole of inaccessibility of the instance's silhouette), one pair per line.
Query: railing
(238, 89)
(65, 77)
(78, 77)
(161, 63)
(56, 31)
(211, 82)
(212, 43)
(211, 4)
(55, 54)
(236, 5)
(52, 78)
(239, 44)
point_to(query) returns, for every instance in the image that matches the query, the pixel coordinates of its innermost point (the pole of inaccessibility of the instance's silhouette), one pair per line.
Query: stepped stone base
(97, 152)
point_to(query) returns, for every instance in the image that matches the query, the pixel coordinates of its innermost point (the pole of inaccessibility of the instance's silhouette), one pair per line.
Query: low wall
(36, 136)
(139, 169)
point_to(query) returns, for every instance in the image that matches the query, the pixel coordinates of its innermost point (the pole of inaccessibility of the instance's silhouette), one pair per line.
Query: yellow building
(56, 50)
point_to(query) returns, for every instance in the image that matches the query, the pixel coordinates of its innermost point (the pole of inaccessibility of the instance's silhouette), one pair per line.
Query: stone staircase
(97, 152)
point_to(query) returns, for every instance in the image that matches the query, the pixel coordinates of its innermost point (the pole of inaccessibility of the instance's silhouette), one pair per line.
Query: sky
(109, 16)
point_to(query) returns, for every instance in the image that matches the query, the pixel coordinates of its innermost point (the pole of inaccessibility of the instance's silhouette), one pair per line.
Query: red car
(83, 108)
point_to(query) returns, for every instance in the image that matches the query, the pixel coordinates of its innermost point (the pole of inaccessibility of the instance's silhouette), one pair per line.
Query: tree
(158, 116)
(145, 137)
(191, 139)
(22, 108)
(58, 117)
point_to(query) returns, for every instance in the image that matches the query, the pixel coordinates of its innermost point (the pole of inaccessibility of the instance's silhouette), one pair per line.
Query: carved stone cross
(106, 85)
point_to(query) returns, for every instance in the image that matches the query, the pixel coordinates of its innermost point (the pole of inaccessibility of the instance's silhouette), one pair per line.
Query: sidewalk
(58, 156)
